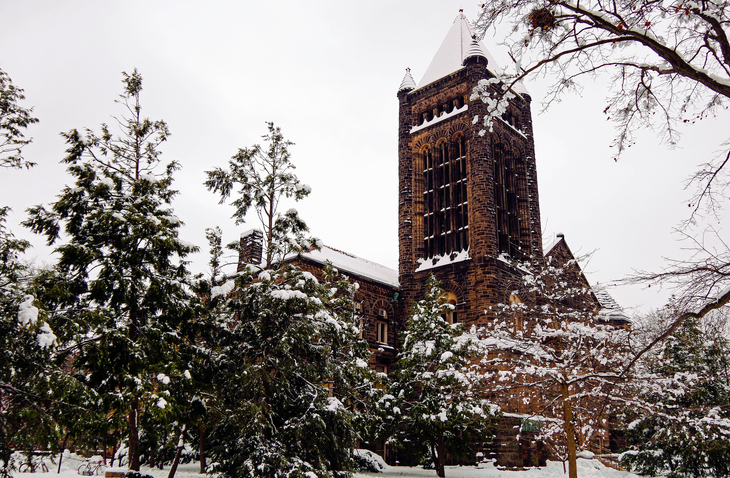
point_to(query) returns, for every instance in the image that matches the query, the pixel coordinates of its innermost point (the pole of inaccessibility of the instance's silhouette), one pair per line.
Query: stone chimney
(251, 248)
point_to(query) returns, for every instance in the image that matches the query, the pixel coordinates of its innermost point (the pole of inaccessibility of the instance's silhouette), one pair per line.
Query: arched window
(445, 214)
(508, 195)
(450, 317)
(381, 327)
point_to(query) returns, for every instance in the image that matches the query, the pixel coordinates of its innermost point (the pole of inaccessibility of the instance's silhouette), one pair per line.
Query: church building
(468, 207)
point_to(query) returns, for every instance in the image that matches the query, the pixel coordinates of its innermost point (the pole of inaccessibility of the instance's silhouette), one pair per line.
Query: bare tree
(565, 359)
(670, 65)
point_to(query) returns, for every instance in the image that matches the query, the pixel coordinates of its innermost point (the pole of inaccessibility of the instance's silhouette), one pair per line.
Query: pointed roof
(475, 50)
(408, 83)
(450, 56)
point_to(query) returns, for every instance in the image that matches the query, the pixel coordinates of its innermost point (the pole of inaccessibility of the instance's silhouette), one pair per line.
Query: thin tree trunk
(176, 461)
(133, 435)
(203, 464)
(569, 431)
(440, 471)
(115, 447)
(60, 457)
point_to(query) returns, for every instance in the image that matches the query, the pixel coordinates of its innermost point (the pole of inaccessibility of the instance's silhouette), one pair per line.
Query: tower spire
(407, 84)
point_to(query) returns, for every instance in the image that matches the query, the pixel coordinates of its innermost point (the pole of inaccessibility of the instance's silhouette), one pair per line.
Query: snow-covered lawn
(586, 469)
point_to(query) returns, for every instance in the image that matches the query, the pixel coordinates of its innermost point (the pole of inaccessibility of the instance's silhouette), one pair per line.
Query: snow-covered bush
(366, 461)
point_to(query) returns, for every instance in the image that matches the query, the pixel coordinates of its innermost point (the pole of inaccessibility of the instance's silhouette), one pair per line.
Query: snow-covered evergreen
(291, 377)
(680, 421)
(436, 402)
(27, 380)
(121, 276)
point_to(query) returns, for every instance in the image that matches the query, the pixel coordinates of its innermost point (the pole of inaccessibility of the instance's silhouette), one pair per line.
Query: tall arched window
(508, 193)
(446, 223)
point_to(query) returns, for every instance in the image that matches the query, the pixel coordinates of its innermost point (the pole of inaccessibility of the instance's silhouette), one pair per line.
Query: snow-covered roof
(610, 309)
(349, 263)
(450, 56)
(459, 44)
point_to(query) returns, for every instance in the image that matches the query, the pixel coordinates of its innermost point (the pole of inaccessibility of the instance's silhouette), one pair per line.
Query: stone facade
(468, 207)
(479, 281)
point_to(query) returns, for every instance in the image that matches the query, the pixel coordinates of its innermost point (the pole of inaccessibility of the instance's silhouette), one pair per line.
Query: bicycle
(90, 468)
(35, 464)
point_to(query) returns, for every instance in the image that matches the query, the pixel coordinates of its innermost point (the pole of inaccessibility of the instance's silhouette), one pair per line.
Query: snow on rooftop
(610, 309)
(458, 45)
(348, 263)
(450, 56)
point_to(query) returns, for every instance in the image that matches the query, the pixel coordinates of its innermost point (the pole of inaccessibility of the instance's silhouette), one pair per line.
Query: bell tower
(468, 197)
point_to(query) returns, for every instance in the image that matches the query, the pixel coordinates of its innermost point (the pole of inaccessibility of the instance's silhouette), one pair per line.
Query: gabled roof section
(349, 263)
(450, 56)
(610, 310)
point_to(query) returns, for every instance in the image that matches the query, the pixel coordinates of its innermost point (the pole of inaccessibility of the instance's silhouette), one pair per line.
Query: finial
(407, 83)
(475, 50)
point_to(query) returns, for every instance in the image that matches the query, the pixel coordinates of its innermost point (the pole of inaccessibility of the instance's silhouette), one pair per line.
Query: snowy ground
(586, 469)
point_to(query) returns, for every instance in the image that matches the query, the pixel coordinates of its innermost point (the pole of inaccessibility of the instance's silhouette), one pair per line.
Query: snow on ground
(554, 469)
(71, 462)
(586, 469)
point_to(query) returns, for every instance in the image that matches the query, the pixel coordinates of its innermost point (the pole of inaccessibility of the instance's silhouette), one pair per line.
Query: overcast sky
(327, 73)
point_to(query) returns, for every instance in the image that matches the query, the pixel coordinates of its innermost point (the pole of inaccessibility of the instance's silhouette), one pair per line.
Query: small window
(382, 332)
(517, 312)
(450, 317)
(380, 385)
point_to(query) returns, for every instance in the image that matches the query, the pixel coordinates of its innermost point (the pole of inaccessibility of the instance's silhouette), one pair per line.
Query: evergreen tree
(680, 424)
(27, 378)
(436, 397)
(122, 264)
(290, 371)
(264, 177)
(291, 375)
(13, 120)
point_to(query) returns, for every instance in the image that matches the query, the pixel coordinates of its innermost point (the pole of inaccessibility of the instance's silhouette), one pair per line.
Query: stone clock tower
(468, 198)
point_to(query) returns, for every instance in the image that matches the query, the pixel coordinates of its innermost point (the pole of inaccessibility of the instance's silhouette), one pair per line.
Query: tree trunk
(176, 461)
(60, 456)
(133, 435)
(440, 456)
(203, 464)
(569, 431)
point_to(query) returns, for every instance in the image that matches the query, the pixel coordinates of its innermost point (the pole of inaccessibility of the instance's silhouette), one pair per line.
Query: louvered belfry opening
(445, 216)
(510, 201)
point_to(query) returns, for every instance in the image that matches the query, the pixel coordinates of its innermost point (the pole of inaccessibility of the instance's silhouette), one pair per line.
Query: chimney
(251, 248)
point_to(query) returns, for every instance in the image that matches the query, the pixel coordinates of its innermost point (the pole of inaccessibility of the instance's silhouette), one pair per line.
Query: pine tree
(549, 343)
(13, 120)
(680, 423)
(264, 177)
(123, 265)
(436, 396)
(292, 372)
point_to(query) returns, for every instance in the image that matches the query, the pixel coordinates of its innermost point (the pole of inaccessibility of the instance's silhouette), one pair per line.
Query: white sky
(327, 73)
